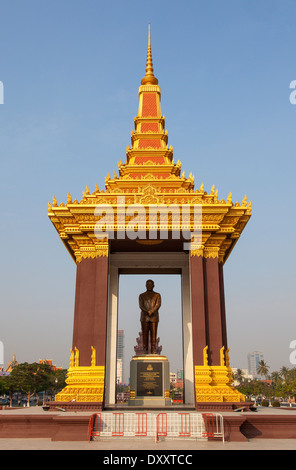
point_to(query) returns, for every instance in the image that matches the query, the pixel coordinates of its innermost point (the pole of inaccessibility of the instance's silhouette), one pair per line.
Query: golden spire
(149, 78)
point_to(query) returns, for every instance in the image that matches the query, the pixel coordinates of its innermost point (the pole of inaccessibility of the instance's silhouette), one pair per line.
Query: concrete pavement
(146, 445)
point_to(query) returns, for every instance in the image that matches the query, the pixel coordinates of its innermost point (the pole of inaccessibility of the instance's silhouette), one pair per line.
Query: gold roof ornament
(149, 78)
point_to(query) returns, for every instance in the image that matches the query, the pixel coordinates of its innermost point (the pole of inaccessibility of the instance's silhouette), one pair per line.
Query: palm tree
(262, 368)
(239, 376)
(276, 378)
(284, 372)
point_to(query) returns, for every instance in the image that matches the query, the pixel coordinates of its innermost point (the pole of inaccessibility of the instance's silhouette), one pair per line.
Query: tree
(239, 376)
(9, 386)
(3, 388)
(288, 384)
(283, 384)
(276, 377)
(276, 383)
(284, 372)
(30, 378)
(57, 381)
(262, 368)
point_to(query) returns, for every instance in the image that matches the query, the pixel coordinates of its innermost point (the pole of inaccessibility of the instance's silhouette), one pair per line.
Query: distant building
(245, 375)
(173, 377)
(120, 344)
(253, 363)
(177, 386)
(49, 363)
(120, 356)
(12, 364)
(180, 374)
(119, 371)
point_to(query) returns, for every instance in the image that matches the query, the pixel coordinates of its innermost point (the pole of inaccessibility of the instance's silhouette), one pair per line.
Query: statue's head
(149, 284)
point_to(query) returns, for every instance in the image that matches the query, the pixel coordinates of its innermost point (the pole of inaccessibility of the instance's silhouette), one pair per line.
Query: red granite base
(74, 406)
(223, 406)
(60, 426)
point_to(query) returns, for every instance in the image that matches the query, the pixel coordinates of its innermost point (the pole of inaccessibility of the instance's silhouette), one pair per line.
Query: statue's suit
(149, 303)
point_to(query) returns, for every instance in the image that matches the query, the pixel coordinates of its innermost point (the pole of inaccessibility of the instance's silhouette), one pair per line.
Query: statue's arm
(157, 305)
(141, 304)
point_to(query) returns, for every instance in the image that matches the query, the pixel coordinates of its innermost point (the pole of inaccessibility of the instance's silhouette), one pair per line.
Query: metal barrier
(93, 426)
(161, 425)
(141, 424)
(213, 425)
(185, 425)
(166, 425)
(119, 424)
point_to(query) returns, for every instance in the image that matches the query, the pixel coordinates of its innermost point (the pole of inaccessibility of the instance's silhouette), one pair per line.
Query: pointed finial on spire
(149, 78)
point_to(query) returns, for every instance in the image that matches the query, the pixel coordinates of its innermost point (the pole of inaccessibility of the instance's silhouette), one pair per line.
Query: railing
(162, 425)
(213, 425)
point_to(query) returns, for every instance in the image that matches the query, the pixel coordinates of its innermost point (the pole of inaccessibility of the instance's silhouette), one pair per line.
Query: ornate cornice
(221, 224)
(91, 251)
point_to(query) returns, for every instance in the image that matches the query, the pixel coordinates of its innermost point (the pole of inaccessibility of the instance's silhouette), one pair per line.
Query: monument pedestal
(149, 381)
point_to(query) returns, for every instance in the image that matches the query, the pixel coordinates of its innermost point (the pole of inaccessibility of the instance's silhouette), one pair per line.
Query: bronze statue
(149, 303)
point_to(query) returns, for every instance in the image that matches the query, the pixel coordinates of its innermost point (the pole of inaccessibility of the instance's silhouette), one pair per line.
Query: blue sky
(71, 72)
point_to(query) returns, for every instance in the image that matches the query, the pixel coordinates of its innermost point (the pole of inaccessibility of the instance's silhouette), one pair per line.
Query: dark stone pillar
(90, 316)
(222, 298)
(214, 291)
(198, 305)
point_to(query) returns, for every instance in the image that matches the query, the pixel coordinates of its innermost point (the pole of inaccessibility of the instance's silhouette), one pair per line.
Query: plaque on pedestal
(149, 381)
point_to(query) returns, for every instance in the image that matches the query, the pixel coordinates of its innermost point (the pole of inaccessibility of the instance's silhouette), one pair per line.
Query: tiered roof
(149, 175)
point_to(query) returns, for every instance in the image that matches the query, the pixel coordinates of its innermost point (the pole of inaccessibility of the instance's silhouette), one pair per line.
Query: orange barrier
(166, 424)
(92, 427)
(213, 425)
(185, 425)
(141, 424)
(161, 425)
(119, 424)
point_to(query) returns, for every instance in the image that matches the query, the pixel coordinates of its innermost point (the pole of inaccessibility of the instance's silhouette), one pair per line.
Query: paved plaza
(149, 445)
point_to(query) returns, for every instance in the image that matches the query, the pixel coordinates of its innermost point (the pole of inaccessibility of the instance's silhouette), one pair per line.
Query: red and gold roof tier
(148, 176)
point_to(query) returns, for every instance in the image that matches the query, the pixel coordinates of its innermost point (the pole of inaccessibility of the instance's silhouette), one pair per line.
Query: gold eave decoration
(222, 223)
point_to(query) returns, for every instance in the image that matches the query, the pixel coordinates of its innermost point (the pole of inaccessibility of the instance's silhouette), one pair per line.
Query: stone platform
(34, 422)
(74, 406)
(219, 407)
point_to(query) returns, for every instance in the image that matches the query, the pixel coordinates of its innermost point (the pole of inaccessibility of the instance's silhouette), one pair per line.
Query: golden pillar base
(84, 384)
(213, 383)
